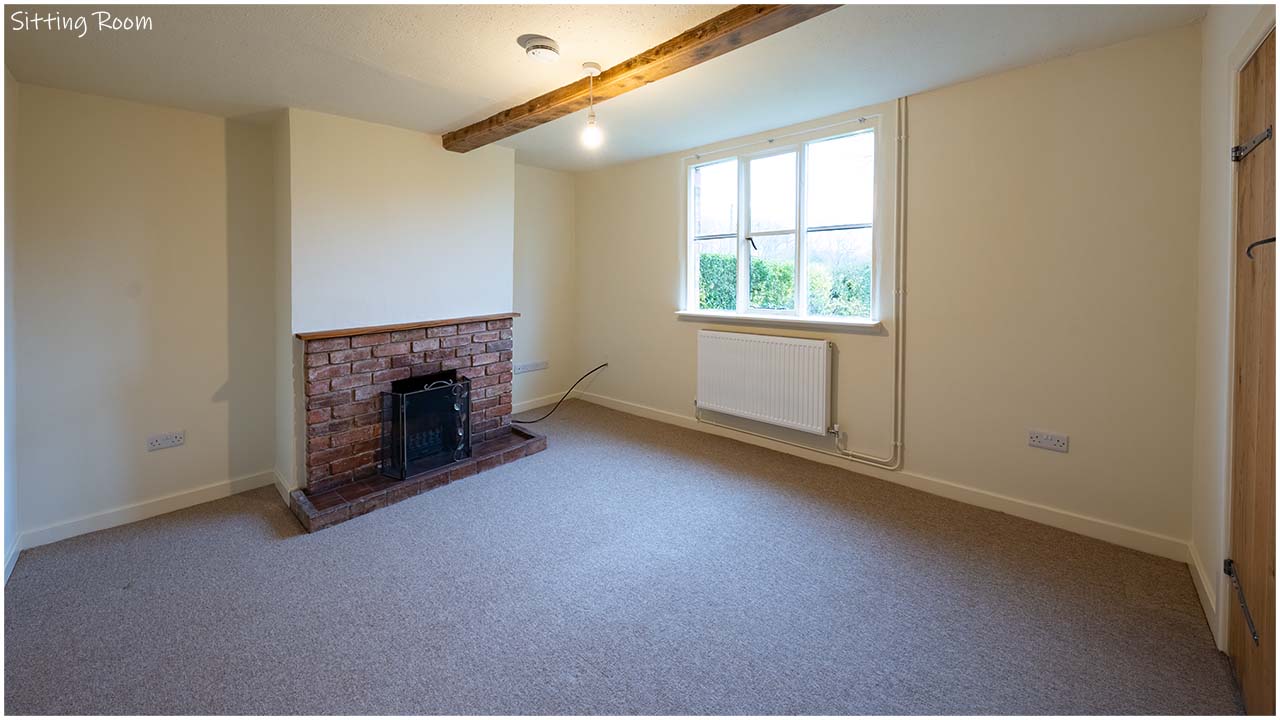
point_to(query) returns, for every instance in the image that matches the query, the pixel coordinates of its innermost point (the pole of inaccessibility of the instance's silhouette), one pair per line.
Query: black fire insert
(426, 423)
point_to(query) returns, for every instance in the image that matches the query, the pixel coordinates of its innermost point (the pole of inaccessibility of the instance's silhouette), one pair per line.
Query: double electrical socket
(1048, 441)
(529, 366)
(166, 440)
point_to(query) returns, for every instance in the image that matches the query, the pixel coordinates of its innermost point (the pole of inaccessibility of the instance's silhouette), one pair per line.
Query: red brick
(483, 337)
(317, 359)
(489, 463)
(355, 408)
(391, 349)
(328, 371)
(497, 345)
(484, 359)
(341, 397)
(436, 355)
(442, 331)
(471, 327)
(317, 387)
(483, 382)
(384, 376)
(328, 428)
(401, 361)
(318, 415)
(424, 369)
(352, 462)
(324, 457)
(498, 411)
(367, 419)
(315, 346)
(466, 469)
(473, 349)
(354, 436)
(317, 443)
(504, 335)
(367, 340)
(455, 341)
(470, 372)
(454, 363)
(428, 344)
(368, 445)
(343, 356)
(485, 404)
(502, 324)
(371, 365)
(404, 335)
(371, 391)
(325, 479)
(505, 377)
(498, 368)
(350, 381)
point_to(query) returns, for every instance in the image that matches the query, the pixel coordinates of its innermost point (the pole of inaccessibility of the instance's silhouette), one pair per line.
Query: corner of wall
(286, 456)
(8, 444)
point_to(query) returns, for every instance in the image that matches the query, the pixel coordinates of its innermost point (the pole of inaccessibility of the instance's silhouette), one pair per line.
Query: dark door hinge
(1229, 569)
(1240, 152)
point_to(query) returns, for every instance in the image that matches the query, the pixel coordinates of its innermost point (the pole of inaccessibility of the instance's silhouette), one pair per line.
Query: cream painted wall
(545, 284)
(389, 227)
(142, 265)
(1230, 32)
(1050, 278)
(283, 382)
(11, 90)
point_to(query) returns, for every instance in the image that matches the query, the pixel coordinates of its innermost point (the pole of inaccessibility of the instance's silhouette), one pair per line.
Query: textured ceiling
(437, 68)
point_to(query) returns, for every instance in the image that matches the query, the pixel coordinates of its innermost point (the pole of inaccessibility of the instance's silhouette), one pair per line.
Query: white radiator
(776, 380)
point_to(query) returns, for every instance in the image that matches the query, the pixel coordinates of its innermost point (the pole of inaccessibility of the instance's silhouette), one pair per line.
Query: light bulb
(592, 136)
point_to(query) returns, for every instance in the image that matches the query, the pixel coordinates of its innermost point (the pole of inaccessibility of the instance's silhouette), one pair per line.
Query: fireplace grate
(426, 424)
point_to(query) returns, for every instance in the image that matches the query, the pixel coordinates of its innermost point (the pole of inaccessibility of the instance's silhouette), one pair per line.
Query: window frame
(796, 142)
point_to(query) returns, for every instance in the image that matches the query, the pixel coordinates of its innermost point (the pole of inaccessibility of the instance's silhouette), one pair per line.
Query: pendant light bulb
(592, 135)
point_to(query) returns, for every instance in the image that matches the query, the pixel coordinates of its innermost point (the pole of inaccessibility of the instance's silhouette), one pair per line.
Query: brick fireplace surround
(346, 373)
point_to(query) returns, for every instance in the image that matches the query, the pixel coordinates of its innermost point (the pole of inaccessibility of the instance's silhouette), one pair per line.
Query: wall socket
(529, 366)
(1048, 441)
(166, 440)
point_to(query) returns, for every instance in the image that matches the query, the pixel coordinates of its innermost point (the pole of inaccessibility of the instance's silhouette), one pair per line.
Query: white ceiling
(437, 68)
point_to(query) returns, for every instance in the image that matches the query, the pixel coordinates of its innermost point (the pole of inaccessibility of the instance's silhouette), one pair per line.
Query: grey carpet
(633, 567)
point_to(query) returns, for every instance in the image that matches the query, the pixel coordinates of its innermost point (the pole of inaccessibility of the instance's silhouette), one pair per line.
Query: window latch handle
(753, 244)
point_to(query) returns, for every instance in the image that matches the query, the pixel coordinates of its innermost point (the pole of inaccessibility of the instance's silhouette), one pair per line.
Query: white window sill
(872, 327)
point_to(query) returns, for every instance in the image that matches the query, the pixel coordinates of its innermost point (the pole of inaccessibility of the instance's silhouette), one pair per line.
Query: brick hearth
(346, 374)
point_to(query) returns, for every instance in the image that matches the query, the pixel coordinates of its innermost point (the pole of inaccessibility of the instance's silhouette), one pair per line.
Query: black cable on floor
(571, 387)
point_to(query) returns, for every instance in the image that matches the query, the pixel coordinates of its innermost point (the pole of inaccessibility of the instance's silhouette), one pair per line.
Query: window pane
(773, 272)
(715, 198)
(839, 267)
(773, 192)
(717, 267)
(839, 180)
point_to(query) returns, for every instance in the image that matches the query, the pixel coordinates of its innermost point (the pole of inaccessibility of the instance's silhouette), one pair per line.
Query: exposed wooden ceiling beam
(727, 31)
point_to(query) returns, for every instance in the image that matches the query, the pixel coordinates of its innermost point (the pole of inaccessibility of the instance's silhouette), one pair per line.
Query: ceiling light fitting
(592, 136)
(539, 47)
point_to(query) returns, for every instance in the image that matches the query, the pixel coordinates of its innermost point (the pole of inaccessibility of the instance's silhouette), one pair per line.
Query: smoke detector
(539, 47)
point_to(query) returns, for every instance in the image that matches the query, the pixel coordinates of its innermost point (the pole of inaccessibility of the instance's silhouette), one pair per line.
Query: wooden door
(1253, 449)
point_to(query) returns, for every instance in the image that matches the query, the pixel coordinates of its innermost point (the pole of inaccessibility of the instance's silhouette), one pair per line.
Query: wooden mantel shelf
(326, 334)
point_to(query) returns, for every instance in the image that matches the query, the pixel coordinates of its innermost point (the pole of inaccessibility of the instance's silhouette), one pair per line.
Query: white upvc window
(787, 228)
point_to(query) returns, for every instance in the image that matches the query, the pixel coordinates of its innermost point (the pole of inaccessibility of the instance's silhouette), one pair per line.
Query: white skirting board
(537, 402)
(133, 513)
(1208, 580)
(1115, 533)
